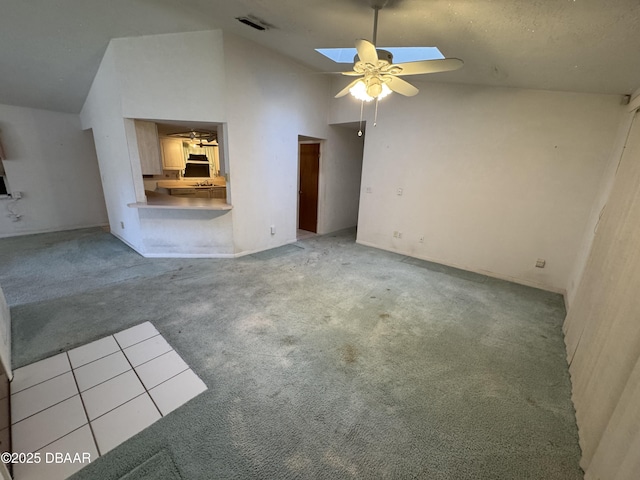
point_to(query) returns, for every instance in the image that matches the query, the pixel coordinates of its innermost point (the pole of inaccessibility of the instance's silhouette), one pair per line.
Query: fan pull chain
(361, 111)
(375, 116)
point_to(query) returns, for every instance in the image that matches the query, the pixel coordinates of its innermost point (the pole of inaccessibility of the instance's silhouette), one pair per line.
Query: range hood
(197, 166)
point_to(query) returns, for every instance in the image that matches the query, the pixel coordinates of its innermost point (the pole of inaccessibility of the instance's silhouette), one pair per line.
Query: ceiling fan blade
(367, 51)
(400, 86)
(428, 66)
(345, 90)
(349, 73)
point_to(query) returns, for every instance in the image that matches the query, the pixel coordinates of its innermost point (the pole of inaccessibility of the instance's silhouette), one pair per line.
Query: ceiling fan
(379, 76)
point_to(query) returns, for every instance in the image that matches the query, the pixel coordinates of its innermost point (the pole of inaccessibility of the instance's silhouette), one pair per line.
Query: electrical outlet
(397, 234)
(399, 192)
(273, 229)
(122, 225)
(540, 263)
(16, 195)
(421, 239)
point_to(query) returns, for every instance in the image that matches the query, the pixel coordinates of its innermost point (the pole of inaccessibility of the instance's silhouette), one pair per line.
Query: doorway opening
(308, 187)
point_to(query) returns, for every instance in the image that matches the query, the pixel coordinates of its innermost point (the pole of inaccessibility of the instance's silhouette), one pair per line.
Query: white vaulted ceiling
(50, 50)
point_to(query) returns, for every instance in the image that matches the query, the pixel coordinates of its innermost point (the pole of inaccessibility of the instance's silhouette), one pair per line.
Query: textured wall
(603, 333)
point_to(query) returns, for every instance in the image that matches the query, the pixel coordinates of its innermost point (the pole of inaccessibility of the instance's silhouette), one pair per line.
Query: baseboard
(188, 255)
(52, 230)
(519, 281)
(203, 255)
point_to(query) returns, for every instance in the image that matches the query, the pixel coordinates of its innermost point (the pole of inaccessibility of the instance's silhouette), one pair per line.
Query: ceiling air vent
(254, 22)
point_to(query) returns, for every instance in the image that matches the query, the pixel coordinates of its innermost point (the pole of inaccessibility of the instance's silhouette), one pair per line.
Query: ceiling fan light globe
(385, 91)
(374, 89)
(359, 91)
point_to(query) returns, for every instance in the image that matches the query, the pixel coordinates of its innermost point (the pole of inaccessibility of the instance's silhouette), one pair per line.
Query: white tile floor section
(93, 398)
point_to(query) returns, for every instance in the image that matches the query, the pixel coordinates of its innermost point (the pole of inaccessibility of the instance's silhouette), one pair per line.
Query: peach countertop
(160, 200)
(217, 182)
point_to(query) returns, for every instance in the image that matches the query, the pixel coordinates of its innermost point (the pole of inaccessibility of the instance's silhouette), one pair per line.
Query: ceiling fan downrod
(376, 9)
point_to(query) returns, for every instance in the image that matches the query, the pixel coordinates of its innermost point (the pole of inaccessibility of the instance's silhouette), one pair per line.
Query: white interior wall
(597, 208)
(266, 101)
(160, 77)
(493, 178)
(53, 163)
(172, 77)
(102, 112)
(5, 336)
(602, 331)
(171, 233)
(340, 173)
(270, 101)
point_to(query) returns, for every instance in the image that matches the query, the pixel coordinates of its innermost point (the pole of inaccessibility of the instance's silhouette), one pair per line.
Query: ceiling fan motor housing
(382, 55)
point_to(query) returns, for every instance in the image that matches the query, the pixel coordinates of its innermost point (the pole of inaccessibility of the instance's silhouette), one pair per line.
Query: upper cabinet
(148, 147)
(172, 153)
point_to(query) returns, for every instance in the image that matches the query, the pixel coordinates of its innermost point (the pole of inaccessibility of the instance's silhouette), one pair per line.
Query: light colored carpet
(158, 467)
(323, 359)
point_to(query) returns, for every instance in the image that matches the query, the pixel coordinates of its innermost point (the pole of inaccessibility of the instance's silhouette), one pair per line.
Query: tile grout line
(92, 361)
(137, 343)
(104, 381)
(65, 435)
(173, 376)
(43, 381)
(106, 355)
(79, 393)
(138, 376)
(151, 359)
(84, 407)
(46, 408)
(115, 408)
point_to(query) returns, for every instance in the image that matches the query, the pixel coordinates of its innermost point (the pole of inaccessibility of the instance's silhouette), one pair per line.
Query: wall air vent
(254, 22)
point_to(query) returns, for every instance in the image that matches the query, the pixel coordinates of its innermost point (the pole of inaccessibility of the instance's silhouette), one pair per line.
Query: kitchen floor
(89, 400)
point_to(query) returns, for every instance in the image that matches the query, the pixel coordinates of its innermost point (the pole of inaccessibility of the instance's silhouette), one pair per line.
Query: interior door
(308, 194)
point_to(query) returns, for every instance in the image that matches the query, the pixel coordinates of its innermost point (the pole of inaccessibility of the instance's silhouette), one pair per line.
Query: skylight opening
(400, 54)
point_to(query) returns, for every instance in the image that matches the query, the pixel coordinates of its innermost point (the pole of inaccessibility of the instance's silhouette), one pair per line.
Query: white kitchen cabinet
(148, 147)
(172, 153)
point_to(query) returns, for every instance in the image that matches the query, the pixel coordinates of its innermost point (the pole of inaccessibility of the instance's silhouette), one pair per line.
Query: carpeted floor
(324, 359)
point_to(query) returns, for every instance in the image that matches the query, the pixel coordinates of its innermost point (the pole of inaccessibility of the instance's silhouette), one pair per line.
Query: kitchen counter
(160, 200)
(174, 184)
(193, 189)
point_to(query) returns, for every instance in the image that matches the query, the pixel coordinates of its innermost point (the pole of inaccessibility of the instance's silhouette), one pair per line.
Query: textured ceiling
(50, 50)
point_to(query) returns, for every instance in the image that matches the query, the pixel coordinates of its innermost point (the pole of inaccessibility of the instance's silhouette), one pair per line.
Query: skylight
(400, 54)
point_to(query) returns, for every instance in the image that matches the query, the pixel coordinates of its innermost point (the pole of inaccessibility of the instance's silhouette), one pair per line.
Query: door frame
(320, 142)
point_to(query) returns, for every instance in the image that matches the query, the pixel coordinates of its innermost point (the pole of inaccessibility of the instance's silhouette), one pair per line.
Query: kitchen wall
(492, 178)
(270, 101)
(102, 112)
(172, 77)
(265, 101)
(148, 78)
(53, 163)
